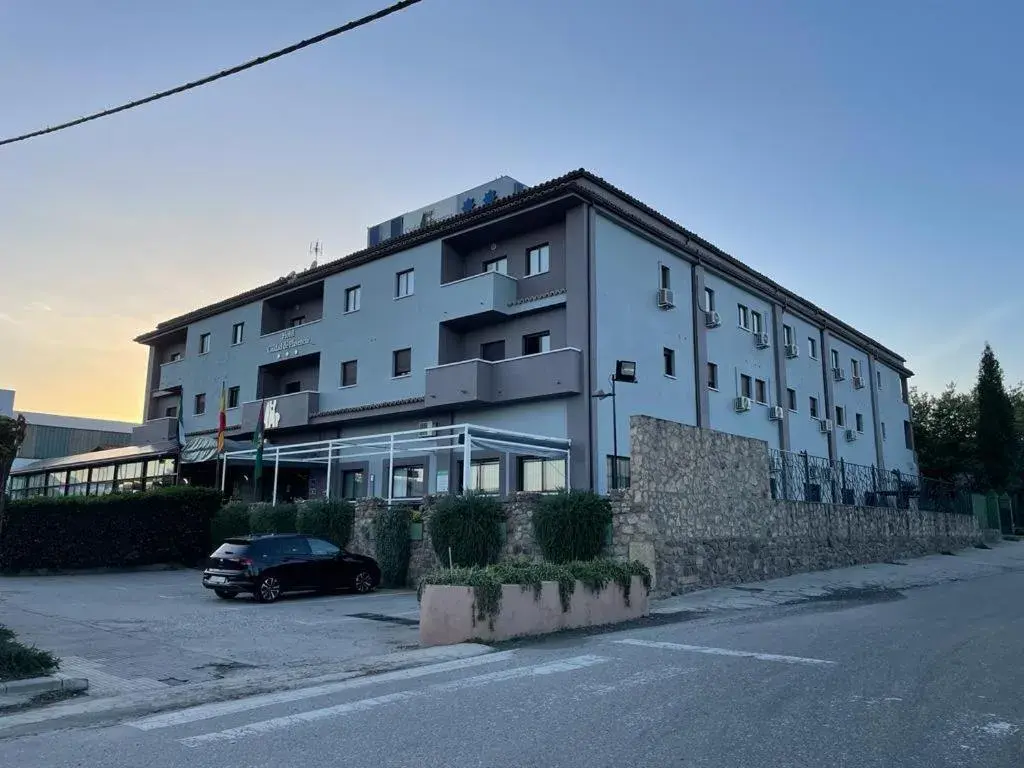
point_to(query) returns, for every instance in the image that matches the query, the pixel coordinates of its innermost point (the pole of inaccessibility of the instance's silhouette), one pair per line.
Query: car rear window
(232, 549)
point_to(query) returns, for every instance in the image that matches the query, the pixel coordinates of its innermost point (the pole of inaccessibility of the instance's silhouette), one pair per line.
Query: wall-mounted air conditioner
(858, 382)
(428, 427)
(712, 319)
(839, 374)
(825, 425)
(742, 404)
(852, 435)
(792, 350)
(666, 299)
(775, 413)
(761, 340)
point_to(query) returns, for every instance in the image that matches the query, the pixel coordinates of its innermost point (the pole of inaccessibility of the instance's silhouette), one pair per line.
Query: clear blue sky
(867, 155)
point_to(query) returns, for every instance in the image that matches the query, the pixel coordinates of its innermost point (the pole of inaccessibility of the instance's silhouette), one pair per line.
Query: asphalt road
(929, 678)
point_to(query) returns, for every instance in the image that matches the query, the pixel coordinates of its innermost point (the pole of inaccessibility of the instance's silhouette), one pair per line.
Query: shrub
(571, 525)
(19, 661)
(265, 517)
(330, 520)
(391, 543)
(230, 520)
(166, 525)
(595, 575)
(471, 525)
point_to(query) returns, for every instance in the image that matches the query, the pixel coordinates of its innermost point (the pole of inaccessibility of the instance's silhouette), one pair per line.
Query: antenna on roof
(316, 250)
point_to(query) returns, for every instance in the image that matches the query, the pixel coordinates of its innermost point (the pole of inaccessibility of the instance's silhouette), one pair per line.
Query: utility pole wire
(399, 6)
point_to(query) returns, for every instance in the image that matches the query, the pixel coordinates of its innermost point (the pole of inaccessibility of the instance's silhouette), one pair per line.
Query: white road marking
(725, 652)
(208, 711)
(287, 721)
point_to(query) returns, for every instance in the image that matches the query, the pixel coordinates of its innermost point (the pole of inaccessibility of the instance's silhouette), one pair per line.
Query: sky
(865, 154)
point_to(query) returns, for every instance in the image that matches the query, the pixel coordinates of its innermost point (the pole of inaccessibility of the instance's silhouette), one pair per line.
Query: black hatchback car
(268, 566)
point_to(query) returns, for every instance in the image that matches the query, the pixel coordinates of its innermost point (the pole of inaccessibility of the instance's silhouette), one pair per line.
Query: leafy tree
(944, 433)
(12, 435)
(997, 438)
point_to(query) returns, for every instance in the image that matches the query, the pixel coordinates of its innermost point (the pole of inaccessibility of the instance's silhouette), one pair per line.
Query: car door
(298, 567)
(329, 567)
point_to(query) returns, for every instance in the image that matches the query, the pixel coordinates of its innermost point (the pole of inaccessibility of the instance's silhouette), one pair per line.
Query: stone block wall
(699, 512)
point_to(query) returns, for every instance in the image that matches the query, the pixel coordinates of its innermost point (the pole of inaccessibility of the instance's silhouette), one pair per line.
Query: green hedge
(471, 526)
(19, 661)
(168, 525)
(265, 517)
(571, 525)
(230, 520)
(391, 544)
(330, 520)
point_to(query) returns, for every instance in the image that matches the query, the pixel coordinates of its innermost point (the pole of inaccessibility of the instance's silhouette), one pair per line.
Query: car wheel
(268, 589)
(225, 594)
(363, 582)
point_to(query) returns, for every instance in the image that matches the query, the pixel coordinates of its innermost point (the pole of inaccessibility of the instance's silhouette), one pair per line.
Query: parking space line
(208, 711)
(725, 652)
(287, 721)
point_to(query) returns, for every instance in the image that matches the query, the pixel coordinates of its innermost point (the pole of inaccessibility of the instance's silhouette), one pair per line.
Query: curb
(43, 685)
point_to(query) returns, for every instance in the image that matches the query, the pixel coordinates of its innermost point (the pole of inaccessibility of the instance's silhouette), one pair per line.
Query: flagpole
(180, 435)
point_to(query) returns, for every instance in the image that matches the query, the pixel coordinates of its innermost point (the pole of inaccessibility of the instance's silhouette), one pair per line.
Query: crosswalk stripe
(208, 711)
(287, 721)
(723, 652)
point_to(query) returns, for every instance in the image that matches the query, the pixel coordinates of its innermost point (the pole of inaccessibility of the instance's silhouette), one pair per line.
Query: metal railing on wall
(801, 477)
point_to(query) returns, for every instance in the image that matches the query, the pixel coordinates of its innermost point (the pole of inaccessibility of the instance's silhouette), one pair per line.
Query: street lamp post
(625, 371)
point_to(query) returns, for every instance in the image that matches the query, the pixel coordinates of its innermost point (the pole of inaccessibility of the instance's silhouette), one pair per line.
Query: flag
(257, 442)
(181, 420)
(222, 419)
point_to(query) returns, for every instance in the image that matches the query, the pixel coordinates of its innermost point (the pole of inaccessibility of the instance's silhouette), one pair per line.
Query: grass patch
(19, 661)
(595, 575)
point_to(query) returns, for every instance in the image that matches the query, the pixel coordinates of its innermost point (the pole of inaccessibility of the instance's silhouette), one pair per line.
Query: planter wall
(447, 613)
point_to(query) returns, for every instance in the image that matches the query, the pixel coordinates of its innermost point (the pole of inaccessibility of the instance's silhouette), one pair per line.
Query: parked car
(268, 566)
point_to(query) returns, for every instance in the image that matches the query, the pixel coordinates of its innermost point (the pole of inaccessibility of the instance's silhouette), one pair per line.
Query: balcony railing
(487, 295)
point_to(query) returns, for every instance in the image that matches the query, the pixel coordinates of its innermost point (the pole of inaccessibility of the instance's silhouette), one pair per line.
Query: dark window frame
(345, 370)
(397, 371)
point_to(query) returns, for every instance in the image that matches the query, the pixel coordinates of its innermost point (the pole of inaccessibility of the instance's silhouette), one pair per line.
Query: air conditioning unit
(839, 374)
(742, 404)
(666, 300)
(825, 425)
(712, 319)
(852, 435)
(858, 382)
(428, 427)
(775, 413)
(761, 340)
(792, 350)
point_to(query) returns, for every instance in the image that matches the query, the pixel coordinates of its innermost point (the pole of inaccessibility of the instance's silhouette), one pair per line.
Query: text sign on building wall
(288, 341)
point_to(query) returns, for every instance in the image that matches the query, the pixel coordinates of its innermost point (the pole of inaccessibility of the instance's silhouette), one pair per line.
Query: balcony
(171, 374)
(472, 382)
(480, 298)
(281, 411)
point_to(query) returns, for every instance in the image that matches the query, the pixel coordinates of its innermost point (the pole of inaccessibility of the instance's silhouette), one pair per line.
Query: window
(484, 476)
(55, 482)
(297, 321)
(204, 343)
(787, 335)
(666, 278)
(791, 399)
(407, 482)
(908, 435)
(904, 393)
(840, 416)
(296, 545)
(499, 265)
(322, 548)
(129, 477)
(537, 260)
(709, 300)
(621, 467)
(159, 472)
(813, 403)
(878, 378)
(858, 421)
(349, 373)
(353, 296)
(745, 386)
(234, 394)
(292, 387)
(401, 363)
(238, 333)
(353, 484)
(493, 350)
(744, 317)
(669, 356)
(405, 283)
(756, 322)
(535, 343)
(171, 412)
(101, 481)
(835, 358)
(883, 431)
(712, 376)
(541, 475)
(175, 357)
(200, 404)
(761, 390)
(812, 348)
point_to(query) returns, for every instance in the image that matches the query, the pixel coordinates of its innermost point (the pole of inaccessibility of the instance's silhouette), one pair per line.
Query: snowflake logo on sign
(271, 418)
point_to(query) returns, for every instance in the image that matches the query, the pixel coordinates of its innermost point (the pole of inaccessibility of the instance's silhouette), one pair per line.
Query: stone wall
(699, 512)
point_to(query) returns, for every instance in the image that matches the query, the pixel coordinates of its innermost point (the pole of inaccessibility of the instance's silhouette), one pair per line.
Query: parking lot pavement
(132, 632)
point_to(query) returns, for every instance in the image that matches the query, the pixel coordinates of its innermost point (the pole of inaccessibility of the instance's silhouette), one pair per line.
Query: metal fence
(801, 477)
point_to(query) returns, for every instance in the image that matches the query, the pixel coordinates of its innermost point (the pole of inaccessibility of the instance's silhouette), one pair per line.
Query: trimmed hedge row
(167, 525)
(469, 527)
(330, 520)
(571, 526)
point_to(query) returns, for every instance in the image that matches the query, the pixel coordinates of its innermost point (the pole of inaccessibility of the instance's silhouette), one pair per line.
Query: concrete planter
(447, 613)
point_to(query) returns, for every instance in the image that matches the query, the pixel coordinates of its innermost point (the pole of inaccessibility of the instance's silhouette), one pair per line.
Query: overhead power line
(400, 6)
